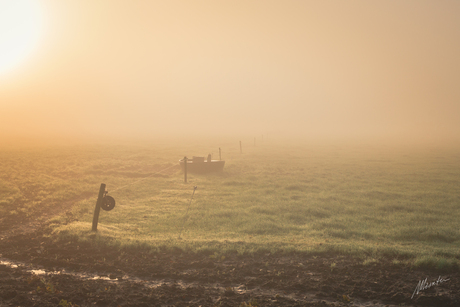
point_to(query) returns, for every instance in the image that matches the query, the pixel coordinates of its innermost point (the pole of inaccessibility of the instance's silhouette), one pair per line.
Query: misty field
(370, 201)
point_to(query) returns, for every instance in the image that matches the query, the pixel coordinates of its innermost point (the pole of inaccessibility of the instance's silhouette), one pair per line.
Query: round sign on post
(108, 203)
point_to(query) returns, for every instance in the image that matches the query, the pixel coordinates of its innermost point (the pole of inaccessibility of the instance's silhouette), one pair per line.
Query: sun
(20, 29)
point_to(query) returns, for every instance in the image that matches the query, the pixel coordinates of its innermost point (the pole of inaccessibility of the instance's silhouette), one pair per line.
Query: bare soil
(36, 271)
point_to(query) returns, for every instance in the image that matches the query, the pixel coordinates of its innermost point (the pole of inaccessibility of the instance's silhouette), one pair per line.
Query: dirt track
(84, 275)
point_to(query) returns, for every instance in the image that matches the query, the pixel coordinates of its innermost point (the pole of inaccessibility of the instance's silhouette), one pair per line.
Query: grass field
(371, 201)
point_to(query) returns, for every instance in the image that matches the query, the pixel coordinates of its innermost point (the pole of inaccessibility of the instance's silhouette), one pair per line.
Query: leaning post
(185, 169)
(98, 206)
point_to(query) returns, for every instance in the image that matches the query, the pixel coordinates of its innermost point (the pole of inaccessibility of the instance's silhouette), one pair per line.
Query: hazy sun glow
(20, 27)
(313, 69)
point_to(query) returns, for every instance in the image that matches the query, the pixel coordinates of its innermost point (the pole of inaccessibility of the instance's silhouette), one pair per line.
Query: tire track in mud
(216, 292)
(197, 279)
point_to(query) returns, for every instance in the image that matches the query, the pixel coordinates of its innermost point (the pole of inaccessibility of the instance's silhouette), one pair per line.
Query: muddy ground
(34, 271)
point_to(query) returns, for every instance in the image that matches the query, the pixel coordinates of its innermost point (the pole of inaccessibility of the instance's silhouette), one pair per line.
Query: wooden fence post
(185, 169)
(98, 206)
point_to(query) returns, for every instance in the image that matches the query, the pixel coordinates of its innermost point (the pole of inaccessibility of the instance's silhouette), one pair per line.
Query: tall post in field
(98, 206)
(241, 148)
(185, 169)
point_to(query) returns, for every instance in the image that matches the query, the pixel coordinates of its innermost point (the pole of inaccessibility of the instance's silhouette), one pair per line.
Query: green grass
(369, 201)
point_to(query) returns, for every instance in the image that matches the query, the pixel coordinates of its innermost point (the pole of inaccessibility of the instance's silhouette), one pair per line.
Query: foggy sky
(311, 68)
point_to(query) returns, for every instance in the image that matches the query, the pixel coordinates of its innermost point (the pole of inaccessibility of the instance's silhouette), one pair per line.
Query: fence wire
(145, 178)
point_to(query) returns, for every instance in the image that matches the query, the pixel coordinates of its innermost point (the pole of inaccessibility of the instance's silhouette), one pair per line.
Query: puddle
(40, 271)
(8, 263)
(125, 278)
(26, 267)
